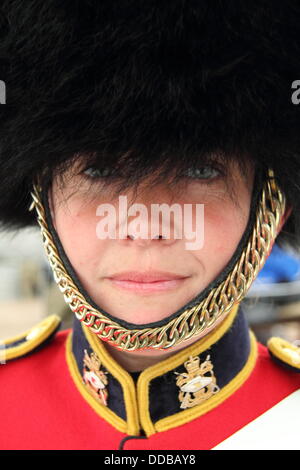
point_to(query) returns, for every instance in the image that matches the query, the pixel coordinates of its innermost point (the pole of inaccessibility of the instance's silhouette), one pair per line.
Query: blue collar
(194, 379)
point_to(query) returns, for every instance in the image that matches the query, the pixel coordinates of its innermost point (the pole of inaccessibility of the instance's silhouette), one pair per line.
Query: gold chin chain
(195, 320)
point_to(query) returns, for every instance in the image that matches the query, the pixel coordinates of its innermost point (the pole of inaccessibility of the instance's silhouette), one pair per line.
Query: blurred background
(27, 289)
(28, 293)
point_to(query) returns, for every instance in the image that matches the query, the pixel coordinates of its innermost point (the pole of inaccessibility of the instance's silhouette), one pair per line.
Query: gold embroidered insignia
(94, 378)
(198, 383)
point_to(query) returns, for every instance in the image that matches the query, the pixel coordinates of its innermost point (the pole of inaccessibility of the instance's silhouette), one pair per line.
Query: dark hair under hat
(146, 86)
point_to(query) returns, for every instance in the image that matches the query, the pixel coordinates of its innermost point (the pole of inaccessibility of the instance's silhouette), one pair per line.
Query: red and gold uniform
(47, 404)
(158, 90)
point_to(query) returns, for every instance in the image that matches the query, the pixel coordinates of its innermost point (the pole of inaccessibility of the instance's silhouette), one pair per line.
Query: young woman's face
(74, 210)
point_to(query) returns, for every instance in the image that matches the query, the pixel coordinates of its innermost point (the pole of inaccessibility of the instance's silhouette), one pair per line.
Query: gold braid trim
(194, 320)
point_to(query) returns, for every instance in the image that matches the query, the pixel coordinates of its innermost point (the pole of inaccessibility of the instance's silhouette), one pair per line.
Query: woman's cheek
(76, 228)
(223, 230)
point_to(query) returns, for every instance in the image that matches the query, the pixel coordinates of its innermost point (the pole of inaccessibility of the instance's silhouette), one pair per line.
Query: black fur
(165, 83)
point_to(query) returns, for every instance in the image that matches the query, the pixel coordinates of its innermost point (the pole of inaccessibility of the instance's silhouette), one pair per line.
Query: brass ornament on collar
(195, 320)
(94, 378)
(198, 383)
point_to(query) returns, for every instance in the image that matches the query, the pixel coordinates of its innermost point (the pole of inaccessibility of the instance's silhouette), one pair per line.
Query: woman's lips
(147, 282)
(141, 287)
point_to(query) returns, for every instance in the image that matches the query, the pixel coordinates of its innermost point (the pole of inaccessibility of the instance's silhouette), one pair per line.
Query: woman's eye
(204, 172)
(95, 173)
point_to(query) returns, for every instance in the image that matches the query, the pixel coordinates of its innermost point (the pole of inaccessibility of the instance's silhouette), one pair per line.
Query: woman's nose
(143, 241)
(150, 236)
(155, 237)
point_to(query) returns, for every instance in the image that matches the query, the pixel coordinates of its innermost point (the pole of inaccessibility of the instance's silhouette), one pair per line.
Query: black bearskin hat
(146, 86)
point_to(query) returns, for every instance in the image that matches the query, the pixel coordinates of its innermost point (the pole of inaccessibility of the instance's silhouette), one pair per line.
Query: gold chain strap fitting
(192, 321)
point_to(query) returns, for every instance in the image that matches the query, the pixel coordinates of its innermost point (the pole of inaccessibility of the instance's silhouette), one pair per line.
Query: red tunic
(41, 408)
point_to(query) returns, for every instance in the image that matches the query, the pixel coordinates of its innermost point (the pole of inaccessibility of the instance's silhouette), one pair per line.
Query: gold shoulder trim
(285, 352)
(29, 340)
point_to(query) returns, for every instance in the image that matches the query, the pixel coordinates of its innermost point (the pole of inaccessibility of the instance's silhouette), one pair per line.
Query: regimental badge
(197, 384)
(94, 378)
